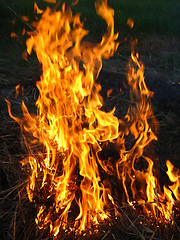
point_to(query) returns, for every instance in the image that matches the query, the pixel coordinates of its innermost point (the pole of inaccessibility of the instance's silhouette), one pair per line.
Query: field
(161, 16)
(156, 26)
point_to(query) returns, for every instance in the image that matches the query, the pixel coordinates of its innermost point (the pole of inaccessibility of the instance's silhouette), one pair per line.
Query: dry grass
(17, 213)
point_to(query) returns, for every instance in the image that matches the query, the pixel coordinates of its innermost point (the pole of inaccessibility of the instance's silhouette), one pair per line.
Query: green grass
(150, 16)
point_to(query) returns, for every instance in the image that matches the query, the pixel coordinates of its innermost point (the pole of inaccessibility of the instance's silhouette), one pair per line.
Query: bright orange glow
(25, 18)
(13, 35)
(174, 177)
(23, 31)
(70, 129)
(109, 92)
(36, 9)
(50, 1)
(130, 22)
(144, 183)
(17, 90)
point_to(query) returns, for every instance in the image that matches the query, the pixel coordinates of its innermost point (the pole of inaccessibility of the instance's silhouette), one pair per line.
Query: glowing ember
(71, 129)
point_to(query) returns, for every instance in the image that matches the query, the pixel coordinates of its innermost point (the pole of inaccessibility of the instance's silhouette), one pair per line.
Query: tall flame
(70, 128)
(145, 188)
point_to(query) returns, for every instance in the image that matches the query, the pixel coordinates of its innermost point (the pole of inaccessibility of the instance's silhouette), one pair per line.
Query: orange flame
(50, 1)
(145, 187)
(130, 23)
(17, 90)
(36, 9)
(25, 18)
(109, 92)
(13, 34)
(71, 129)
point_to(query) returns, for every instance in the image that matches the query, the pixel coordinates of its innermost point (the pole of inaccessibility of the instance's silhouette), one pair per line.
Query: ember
(71, 129)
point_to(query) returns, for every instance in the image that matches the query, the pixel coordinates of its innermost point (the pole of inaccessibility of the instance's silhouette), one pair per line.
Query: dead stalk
(152, 236)
(157, 207)
(134, 221)
(14, 225)
(135, 228)
(106, 235)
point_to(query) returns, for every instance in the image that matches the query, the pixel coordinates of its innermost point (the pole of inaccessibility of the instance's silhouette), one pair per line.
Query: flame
(36, 9)
(25, 18)
(130, 22)
(109, 92)
(174, 178)
(70, 129)
(17, 90)
(13, 34)
(50, 1)
(145, 188)
(69, 123)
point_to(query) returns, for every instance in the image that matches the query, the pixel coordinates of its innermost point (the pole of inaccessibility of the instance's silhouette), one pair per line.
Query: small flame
(25, 18)
(37, 9)
(109, 92)
(174, 177)
(50, 1)
(130, 22)
(17, 90)
(23, 31)
(13, 35)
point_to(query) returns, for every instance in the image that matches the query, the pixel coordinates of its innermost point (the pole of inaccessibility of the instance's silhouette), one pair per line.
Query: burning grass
(17, 213)
(79, 158)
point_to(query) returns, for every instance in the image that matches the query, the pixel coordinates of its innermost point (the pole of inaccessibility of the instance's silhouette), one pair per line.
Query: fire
(70, 129)
(145, 186)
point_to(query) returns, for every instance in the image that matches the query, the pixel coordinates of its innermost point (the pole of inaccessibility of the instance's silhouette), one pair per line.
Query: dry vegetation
(17, 214)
